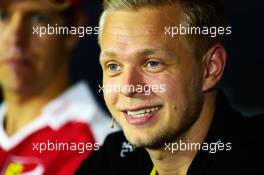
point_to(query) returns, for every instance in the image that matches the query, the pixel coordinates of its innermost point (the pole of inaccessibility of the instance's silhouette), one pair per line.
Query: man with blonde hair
(188, 128)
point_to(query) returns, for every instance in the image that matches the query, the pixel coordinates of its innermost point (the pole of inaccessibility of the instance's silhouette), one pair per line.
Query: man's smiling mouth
(141, 115)
(142, 112)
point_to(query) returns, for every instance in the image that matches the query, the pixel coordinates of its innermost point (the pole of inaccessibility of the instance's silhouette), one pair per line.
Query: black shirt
(118, 157)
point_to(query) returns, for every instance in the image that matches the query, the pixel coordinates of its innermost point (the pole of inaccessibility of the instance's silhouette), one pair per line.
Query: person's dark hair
(68, 9)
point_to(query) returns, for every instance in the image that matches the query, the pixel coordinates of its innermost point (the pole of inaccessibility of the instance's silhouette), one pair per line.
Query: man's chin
(138, 142)
(20, 88)
(148, 145)
(146, 142)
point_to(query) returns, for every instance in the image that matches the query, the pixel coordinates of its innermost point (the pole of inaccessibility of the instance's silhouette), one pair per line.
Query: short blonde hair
(197, 13)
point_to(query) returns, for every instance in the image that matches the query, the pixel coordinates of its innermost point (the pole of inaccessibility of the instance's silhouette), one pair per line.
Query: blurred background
(243, 80)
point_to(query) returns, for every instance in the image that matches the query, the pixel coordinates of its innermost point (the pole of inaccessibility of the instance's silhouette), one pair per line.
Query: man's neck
(177, 162)
(22, 109)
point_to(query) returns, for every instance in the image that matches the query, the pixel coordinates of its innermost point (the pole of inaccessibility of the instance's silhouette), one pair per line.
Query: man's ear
(79, 21)
(214, 62)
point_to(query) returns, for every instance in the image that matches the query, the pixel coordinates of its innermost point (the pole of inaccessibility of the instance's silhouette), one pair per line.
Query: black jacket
(118, 157)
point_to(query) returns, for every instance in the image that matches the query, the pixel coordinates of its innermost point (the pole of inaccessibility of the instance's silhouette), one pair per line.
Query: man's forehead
(143, 21)
(142, 51)
(129, 32)
(133, 28)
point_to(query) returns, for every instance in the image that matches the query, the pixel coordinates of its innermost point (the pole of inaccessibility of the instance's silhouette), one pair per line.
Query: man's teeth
(142, 112)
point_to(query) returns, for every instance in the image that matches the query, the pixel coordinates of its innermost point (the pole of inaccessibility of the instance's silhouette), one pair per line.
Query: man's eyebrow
(107, 54)
(142, 53)
(36, 10)
(104, 55)
(150, 51)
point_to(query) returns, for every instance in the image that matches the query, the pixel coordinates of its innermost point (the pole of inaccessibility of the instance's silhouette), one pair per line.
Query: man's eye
(113, 67)
(3, 15)
(39, 19)
(153, 64)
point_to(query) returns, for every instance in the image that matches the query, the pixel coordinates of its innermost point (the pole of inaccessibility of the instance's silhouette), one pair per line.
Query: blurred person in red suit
(47, 125)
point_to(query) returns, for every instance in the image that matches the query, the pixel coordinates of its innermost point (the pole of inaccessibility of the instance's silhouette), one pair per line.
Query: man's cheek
(108, 96)
(162, 88)
(111, 102)
(109, 91)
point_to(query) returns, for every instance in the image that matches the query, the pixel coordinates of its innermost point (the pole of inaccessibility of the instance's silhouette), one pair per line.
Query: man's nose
(132, 79)
(17, 32)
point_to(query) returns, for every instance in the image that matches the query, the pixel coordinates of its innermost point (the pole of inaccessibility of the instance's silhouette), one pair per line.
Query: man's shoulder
(254, 126)
(244, 130)
(255, 119)
(229, 120)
